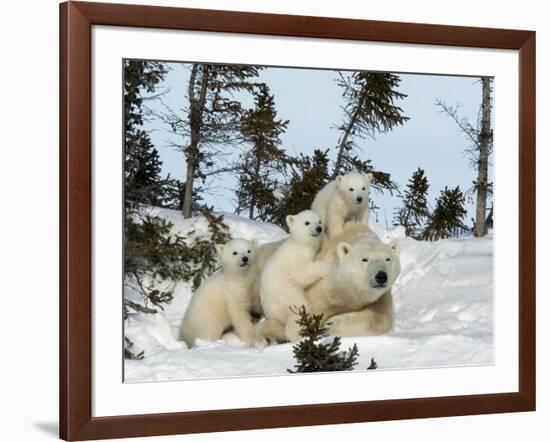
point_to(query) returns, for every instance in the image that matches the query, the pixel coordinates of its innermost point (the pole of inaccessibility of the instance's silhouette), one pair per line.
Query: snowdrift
(443, 314)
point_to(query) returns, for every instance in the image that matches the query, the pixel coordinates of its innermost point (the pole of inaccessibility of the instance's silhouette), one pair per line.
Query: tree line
(213, 125)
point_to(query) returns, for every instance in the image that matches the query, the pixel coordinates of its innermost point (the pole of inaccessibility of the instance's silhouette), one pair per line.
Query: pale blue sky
(311, 100)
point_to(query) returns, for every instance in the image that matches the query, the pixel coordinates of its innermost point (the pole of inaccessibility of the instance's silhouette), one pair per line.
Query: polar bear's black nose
(245, 258)
(359, 199)
(319, 229)
(381, 277)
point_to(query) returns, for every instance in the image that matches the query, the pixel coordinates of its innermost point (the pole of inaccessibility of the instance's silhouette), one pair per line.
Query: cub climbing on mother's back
(344, 199)
(289, 271)
(224, 300)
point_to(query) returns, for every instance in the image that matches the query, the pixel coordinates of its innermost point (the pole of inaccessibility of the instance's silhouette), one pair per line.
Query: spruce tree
(369, 109)
(381, 181)
(142, 165)
(153, 253)
(447, 218)
(308, 175)
(172, 193)
(142, 168)
(209, 123)
(414, 211)
(312, 354)
(264, 161)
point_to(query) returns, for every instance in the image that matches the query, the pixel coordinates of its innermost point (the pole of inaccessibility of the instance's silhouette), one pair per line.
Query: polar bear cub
(344, 199)
(224, 300)
(290, 270)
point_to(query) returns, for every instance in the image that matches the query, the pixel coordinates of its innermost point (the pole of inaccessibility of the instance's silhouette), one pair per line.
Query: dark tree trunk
(252, 208)
(344, 139)
(196, 109)
(485, 138)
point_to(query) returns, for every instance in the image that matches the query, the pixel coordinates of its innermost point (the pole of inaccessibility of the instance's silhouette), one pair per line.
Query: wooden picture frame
(76, 21)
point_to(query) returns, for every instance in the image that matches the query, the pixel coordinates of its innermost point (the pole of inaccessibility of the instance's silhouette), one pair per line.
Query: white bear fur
(263, 253)
(226, 299)
(289, 271)
(348, 297)
(344, 199)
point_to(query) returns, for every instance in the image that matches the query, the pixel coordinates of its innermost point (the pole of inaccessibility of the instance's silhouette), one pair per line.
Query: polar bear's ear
(342, 249)
(395, 246)
(339, 179)
(289, 220)
(254, 243)
(368, 176)
(219, 249)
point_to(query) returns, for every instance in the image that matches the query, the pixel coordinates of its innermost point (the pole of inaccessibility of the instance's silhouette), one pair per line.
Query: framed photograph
(274, 220)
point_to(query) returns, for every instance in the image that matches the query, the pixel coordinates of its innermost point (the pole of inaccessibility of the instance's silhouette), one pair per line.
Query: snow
(239, 226)
(443, 314)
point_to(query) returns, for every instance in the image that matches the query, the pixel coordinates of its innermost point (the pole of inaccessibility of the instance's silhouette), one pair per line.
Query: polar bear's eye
(307, 223)
(351, 189)
(364, 260)
(234, 253)
(388, 259)
(248, 251)
(363, 188)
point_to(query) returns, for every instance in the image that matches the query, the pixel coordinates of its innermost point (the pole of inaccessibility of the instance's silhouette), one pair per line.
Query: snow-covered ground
(443, 314)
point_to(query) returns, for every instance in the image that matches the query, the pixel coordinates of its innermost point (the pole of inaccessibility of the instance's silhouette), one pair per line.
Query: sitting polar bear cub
(290, 270)
(225, 299)
(344, 199)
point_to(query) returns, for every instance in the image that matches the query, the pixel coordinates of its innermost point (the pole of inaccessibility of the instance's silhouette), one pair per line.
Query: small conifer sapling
(313, 353)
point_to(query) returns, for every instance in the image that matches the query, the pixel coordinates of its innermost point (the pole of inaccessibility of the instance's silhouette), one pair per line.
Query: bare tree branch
(462, 123)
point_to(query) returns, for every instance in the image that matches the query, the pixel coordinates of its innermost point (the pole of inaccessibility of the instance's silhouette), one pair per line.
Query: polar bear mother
(355, 298)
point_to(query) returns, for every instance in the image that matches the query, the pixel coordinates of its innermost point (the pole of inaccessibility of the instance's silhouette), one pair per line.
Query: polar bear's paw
(247, 335)
(261, 342)
(337, 325)
(348, 324)
(282, 341)
(275, 341)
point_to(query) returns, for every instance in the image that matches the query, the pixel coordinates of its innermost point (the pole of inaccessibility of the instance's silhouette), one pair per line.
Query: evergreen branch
(138, 307)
